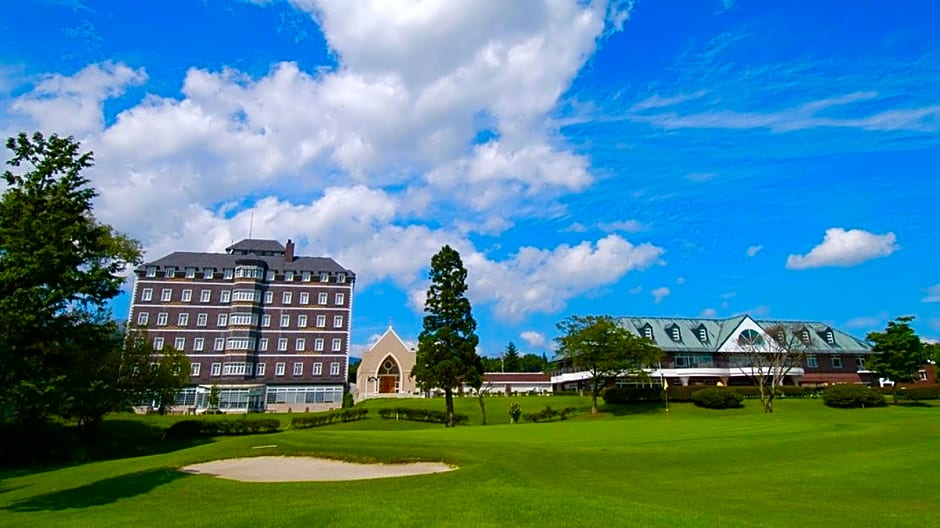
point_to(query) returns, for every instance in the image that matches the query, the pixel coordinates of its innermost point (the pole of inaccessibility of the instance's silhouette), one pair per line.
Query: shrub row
(679, 393)
(548, 414)
(851, 396)
(915, 393)
(717, 398)
(241, 426)
(326, 418)
(421, 415)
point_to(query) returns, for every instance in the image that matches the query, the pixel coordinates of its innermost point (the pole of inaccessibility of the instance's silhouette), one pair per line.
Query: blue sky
(687, 158)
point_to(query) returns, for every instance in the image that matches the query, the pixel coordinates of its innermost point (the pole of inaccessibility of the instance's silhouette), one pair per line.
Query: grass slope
(806, 465)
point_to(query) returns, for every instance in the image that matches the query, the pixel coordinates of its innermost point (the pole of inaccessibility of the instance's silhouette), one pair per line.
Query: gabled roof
(256, 245)
(183, 259)
(721, 330)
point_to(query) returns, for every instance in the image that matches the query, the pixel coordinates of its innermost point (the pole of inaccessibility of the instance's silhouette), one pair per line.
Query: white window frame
(321, 321)
(280, 368)
(146, 294)
(266, 320)
(186, 296)
(194, 369)
(285, 321)
(158, 343)
(299, 344)
(834, 360)
(302, 321)
(162, 318)
(198, 344)
(179, 343)
(182, 319)
(268, 297)
(219, 344)
(166, 295)
(812, 361)
(305, 276)
(286, 297)
(216, 370)
(190, 272)
(263, 344)
(341, 278)
(288, 276)
(169, 272)
(259, 369)
(337, 345)
(304, 298)
(208, 273)
(340, 299)
(270, 276)
(337, 321)
(317, 369)
(298, 368)
(282, 344)
(322, 298)
(205, 296)
(202, 319)
(334, 369)
(151, 271)
(228, 273)
(324, 276)
(222, 320)
(225, 296)
(318, 344)
(143, 318)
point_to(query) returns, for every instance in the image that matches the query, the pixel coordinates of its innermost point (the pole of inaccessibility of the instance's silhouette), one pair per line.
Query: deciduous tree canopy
(897, 353)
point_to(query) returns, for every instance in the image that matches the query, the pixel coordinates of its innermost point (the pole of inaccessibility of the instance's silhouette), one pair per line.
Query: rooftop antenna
(251, 224)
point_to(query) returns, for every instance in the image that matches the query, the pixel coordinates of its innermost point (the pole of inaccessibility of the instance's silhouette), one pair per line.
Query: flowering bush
(515, 412)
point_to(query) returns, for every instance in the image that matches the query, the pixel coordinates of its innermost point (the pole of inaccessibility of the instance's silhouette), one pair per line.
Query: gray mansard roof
(259, 250)
(719, 331)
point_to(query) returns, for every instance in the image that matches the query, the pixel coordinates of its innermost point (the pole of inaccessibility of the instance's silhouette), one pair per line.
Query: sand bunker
(295, 469)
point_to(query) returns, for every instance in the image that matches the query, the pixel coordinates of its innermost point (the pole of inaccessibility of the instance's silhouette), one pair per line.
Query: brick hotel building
(269, 329)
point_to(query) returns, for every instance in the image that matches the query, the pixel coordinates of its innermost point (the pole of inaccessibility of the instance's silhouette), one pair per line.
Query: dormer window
(702, 334)
(169, 272)
(271, 274)
(648, 332)
(341, 278)
(289, 276)
(208, 273)
(190, 273)
(228, 273)
(830, 337)
(305, 276)
(804, 336)
(324, 277)
(151, 271)
(675, 334)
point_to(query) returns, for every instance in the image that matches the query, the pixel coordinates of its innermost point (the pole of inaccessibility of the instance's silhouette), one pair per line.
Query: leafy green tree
(932, 351)
(533, 363)
(447, 344)
(474, 378)
(606, 350)
(58, 269)
(168, 375)
(491, 364)
(897, 353)
(767, 362)
(511, 360)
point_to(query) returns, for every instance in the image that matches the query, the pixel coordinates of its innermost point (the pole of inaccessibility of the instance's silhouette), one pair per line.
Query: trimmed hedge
(241, 426)
(421, 415)
(548, 414)
(920, 392)
(326, 418)
(851, 396)
(717, 398)
(622, 395)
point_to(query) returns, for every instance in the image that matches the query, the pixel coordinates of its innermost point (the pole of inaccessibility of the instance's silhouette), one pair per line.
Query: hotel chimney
(289, 251)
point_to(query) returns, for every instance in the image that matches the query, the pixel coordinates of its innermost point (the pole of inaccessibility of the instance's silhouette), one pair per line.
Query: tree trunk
(449, 401)
(594, 403)
(482, 407)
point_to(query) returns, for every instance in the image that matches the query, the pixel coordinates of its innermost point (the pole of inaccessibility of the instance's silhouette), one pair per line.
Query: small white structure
(385, 370)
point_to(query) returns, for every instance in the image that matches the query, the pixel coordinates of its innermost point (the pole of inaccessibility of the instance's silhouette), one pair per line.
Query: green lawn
(805, 465)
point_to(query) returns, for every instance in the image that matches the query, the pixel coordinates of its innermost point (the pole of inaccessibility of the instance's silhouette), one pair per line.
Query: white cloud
(844, 249)
(754, 250)
(534, 339)
(680, 280)
(660, 293)
(933, 294)
(625, 226)
(709, 313)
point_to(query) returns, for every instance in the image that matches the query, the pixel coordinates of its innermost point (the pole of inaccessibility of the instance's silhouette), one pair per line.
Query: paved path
(294, 469)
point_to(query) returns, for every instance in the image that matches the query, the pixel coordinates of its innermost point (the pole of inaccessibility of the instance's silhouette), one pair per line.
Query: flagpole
(665, 384)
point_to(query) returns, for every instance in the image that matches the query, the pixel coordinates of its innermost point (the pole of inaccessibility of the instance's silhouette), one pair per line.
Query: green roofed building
(708, 351)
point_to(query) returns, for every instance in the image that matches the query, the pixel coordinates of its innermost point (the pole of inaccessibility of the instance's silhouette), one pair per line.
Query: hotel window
(166, 295)
(300, 344)
(190, 273)
(340, 299)
(674, 333)
(187, 296)
(301, 321)
(208, 273)
(279, 369)
(321, 321)
(198, 344)
(286, 298)
(812, 361)
(225, 296)
(270, 275)
(158, 343)
(830, 337)
(266, 320)
(334, 369)
(282, 344)
(836, 362)
(289, 276)
(194, 369)
(216, 369)
(219, 343)
(804, 336)
(318, 344)
(337, 321)
(285, 321)
(263, 344)
(143, 318)
(205, 296)
(305, 276)
(202, 319)
(337, 345)
(324, 277)
(161, 318)
(321, 298)
(182, 320)
(151, 271)
(169, 272)
(317, 369)
(222, 320)
(304, 297)
(228, 273)
(341, 278)
(298, 369)
(648, 332)
(268, 297)
(859, 362)
(146, 294)
(259, 369)
(180, 343)
(702, 334)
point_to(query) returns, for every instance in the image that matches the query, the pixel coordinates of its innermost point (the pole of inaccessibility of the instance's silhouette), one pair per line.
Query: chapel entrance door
(387, 384)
